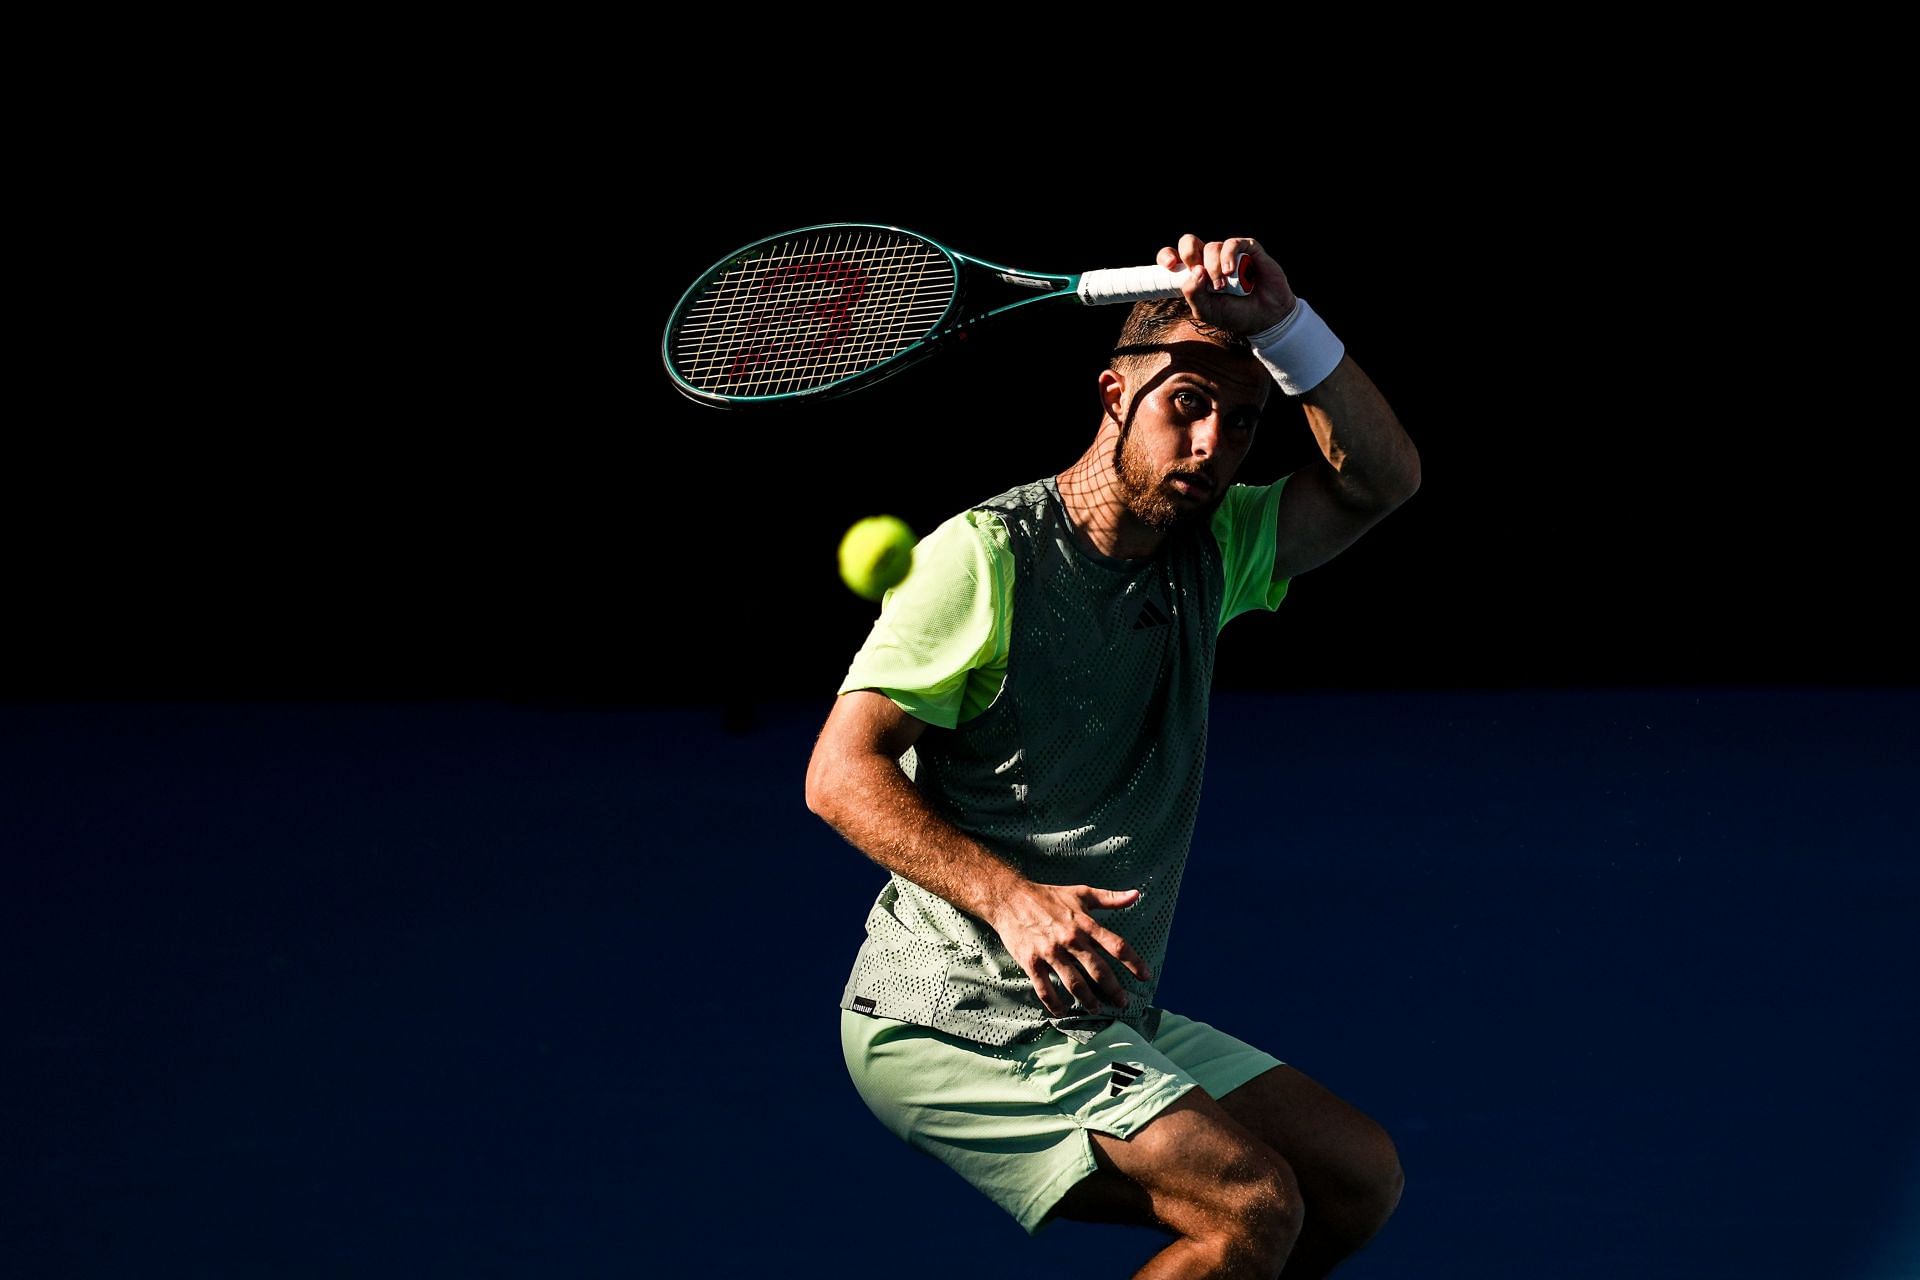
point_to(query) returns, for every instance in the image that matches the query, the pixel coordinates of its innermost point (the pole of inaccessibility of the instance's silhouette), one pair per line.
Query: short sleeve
(1245, 525)
(945, 622)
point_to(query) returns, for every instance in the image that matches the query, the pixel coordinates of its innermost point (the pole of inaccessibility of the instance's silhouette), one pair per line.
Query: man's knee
(1378, 1181)
(1393, 1185)
(1258, 1215)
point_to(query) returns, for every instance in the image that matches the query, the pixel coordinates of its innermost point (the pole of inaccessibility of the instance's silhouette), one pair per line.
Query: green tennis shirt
(1065, 695)
(939, 647)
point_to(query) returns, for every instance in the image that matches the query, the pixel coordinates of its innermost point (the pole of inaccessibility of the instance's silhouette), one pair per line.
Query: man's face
(1187, 424)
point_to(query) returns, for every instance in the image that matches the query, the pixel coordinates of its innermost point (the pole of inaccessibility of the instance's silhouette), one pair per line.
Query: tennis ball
(876, 554)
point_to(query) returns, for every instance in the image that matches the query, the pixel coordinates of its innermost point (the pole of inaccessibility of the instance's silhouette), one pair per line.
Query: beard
(1145, 496)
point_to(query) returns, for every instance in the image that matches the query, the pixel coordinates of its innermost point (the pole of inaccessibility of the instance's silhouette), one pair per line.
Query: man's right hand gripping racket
(827, 310)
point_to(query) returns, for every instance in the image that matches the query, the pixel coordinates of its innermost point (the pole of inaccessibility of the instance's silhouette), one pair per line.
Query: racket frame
(954, 322)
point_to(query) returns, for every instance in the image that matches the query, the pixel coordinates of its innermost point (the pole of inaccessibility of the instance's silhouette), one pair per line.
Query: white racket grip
(1136, 284)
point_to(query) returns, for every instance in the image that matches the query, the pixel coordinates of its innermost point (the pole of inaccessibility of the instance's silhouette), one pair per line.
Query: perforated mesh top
(1085, 770)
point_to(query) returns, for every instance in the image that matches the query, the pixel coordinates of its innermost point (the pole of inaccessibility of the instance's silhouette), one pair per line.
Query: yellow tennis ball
(876, 554)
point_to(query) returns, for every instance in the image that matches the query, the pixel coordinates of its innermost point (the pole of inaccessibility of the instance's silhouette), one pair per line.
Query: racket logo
(797, 301)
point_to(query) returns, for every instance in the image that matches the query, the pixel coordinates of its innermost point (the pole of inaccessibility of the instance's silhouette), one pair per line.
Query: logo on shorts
(1123, 1075)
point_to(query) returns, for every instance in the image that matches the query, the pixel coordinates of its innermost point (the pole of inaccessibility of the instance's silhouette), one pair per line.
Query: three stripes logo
(1150, 615)
(1124, 1074)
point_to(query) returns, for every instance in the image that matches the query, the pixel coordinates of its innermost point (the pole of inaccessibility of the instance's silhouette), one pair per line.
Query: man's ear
(1113, 393)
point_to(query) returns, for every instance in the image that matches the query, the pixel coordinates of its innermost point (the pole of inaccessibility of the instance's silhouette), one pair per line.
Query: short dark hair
(1148, 324)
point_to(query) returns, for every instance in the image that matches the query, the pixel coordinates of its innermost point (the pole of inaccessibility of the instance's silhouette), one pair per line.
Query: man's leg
(1279, 1170)
(1116, 1130)
(1346, 1165)
(1231, 1203)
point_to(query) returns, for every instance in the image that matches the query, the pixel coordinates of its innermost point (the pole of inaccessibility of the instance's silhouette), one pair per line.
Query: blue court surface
(495, 988)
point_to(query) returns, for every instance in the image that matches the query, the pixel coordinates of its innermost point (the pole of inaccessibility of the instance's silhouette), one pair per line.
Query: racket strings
(808, 311)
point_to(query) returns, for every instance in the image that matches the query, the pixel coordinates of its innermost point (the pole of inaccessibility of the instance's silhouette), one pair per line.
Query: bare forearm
(854, 781)
(871, 803)
(1374, 462)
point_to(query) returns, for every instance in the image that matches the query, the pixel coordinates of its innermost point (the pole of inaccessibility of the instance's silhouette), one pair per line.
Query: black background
(371, 409)
(407, 433)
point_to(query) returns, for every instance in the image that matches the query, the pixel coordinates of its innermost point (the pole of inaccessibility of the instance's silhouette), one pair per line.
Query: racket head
(810, 313)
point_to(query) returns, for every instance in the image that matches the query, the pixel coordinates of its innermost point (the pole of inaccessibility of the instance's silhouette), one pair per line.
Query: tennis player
(1020, 741)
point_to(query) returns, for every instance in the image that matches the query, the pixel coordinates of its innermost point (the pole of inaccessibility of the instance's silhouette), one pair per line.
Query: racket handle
(1136, 284)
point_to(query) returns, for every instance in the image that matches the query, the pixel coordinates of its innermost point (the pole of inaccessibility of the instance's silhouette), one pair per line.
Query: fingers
(1050, 998)
(1084, 976)
(1193, 255)
(1266, 297)
(1065, 990)
(1112, 943)
(1210, 261)
(1122, 950)
(1236, 256)
(1071, 959)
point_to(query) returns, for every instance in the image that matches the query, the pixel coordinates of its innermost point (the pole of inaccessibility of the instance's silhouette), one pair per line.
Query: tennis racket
(830, 309)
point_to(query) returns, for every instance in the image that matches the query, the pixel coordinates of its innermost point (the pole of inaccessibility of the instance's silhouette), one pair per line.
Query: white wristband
(1300, 351)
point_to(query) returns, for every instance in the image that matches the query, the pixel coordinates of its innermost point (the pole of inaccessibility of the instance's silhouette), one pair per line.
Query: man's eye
(1189, 401)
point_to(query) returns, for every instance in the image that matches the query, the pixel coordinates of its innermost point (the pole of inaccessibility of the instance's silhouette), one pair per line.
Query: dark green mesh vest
(1085, 770)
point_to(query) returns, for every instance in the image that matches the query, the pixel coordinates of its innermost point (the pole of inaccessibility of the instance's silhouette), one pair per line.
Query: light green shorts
(1014, 1120)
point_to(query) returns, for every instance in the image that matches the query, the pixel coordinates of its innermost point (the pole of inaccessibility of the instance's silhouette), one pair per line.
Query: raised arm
(1368, 467)
(855, 783)
(1368, 464)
